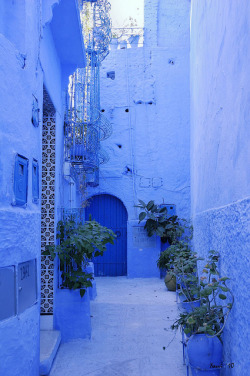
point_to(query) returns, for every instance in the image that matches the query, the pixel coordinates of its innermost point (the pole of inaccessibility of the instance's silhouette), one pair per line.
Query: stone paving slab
(131, 321)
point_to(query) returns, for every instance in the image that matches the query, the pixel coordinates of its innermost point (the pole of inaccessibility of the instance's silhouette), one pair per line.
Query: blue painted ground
(130, 326)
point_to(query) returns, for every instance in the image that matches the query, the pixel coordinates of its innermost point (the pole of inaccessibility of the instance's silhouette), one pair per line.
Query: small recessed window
(35, 181)
(20, 180)
(21, 169)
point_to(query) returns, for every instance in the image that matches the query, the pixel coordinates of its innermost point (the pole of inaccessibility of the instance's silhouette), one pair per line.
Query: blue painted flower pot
(204, 355)
(72, 314)
(189, 306)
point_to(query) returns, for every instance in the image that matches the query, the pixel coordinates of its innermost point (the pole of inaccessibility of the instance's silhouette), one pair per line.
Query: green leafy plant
(169, 228)
(185, 270)
(181, 263)
(210, 318)
(167, 259)
(78, 244)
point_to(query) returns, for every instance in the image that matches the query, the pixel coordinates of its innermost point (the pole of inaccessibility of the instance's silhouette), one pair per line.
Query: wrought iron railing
(85, 125)
(81, 144)
(97, 25)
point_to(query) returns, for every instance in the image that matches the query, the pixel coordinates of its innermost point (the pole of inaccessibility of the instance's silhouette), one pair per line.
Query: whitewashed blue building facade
(178, 105)
(41, 44)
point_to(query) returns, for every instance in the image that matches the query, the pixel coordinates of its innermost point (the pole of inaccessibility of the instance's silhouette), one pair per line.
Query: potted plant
(172, 230)
(204, 325)
(165, 261)
(169, 228)
(176, 259)
(185, 270)
(77, 245)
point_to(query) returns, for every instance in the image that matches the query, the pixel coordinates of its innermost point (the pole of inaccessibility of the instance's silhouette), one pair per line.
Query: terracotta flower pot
(170, 282)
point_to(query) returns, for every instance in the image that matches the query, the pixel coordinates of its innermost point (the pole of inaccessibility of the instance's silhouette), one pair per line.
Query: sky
(122, 9)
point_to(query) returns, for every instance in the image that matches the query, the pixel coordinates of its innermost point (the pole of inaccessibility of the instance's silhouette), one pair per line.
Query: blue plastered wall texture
(148, 106)
(220, 157)
(31, 56)
(21, 78)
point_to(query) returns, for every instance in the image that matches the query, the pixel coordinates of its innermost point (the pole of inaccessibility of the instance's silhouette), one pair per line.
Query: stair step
(49, 344)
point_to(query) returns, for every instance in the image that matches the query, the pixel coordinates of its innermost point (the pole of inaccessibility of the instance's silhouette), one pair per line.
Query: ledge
(67, 34)
(49, 344)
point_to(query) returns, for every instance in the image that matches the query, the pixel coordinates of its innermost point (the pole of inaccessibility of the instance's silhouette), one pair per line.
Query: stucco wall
(148, 106)
(29, 59)
(21, 78)
(220, 158)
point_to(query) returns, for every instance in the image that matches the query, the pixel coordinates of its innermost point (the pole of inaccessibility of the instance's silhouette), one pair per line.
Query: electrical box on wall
(35, 181)
(7, 292)
(17, 293)
(27, 284)
(20, 180)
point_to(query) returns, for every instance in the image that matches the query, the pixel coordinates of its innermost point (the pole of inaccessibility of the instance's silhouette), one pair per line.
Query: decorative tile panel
(48, 203)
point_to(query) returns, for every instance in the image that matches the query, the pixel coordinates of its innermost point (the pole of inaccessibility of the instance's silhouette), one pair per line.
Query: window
(21, 180)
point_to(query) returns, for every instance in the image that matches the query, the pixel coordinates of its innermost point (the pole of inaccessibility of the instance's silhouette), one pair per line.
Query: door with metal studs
(109, 211)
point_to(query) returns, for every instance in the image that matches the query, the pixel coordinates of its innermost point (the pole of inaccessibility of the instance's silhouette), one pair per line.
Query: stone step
(49, 344)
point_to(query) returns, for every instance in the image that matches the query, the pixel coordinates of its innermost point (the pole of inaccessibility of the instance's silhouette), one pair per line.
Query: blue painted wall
(148, 106)
(220, 158)
(30, 56)
(21, 78)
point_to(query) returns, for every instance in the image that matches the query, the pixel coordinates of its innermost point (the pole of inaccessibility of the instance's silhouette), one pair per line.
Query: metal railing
(85, 125)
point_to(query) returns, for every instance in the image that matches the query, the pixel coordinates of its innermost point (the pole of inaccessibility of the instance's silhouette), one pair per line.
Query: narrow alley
(130, 329)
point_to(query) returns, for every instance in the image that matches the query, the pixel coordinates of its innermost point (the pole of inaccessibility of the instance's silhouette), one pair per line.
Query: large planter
(204, 355)
(170, 282)
(72, 314)
(189, 306)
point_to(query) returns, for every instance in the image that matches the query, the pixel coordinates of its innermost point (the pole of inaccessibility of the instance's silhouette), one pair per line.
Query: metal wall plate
(7, 292)
(27, 284)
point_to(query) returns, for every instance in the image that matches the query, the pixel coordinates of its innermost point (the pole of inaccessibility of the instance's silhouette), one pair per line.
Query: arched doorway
(109, 211)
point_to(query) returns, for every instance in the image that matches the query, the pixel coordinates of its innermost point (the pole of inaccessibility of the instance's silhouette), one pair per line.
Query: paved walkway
(130, 326)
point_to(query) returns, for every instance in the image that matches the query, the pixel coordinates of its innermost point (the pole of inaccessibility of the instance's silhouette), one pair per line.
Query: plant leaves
(150, 205)
(222, 296)
(224, 288)
(223, 279)
(82, 292)
(142, 216)
(142, 203)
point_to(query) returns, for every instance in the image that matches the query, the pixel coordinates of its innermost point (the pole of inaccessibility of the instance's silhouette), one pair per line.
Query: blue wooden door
(109, 211)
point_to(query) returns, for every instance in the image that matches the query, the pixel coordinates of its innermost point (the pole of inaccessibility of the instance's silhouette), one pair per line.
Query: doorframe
(113, 195)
